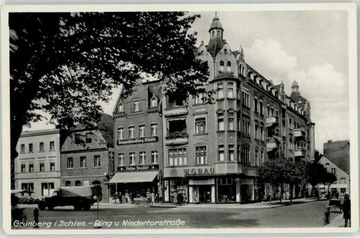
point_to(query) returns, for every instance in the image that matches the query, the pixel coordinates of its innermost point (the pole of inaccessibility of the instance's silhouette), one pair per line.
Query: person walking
(346, 206)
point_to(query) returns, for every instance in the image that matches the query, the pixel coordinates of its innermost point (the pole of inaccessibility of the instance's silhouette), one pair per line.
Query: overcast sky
(308, 46)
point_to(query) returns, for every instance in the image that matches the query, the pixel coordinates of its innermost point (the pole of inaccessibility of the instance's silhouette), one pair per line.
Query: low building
(87, 156)
(37, 167)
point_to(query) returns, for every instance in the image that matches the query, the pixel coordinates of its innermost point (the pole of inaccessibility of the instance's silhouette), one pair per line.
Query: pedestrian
(116, 195)
(327, 215)
(180, 198)
(36, 218)
(120, 197)
(346, 206)
(152, 198)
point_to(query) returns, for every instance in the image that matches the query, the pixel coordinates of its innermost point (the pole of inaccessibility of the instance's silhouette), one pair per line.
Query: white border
(353, 97)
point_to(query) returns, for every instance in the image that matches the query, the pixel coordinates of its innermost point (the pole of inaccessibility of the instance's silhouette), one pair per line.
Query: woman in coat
(346, 210)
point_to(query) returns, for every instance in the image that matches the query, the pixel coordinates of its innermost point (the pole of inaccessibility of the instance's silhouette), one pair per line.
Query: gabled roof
(338, 152)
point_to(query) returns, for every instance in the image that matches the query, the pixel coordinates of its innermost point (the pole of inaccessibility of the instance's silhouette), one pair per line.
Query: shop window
(41, 167)
(120, 133)
(221, 124)
(52, 145)
(132, 158)
(142, 131)
(221, 153)
(231, 153)
(221, 66)
(230, 90)
(154, 157)
(97, 161)
(41, 147)
(31, 148)
(22, 148)
(83, 161)
(200, 153)
(220, 90)
(153, 129)
(31, 168)
(121, 158)
(200, 125)
(52, 166)
(77, 183)
(231, 125)
(131, 131)
(70, 163)
(142, 158)
(177, 157)
(136, 105)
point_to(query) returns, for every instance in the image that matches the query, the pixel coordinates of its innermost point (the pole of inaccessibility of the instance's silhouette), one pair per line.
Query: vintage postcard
(167, 119)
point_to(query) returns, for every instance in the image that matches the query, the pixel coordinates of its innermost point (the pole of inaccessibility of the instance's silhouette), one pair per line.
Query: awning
(134, 177)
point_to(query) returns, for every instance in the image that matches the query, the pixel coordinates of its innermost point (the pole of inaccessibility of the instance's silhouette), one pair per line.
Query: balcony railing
(299, 133)
(176, 111)
(177, 138)
(272, 144)
(272, 121)
(299, 152)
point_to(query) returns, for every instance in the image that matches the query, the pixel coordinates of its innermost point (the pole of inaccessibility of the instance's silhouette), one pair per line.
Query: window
(200, 153)
(77, 183)
(121, 159)
(41, 147)
(277, 113)
(70, 163)
(23, 168)
(199, 99)
(177, 157)
(230, 90)
(31, 168)
(88, 138)
(131, 131)
(220, 91)
(52, 166)
(83, 161)
(120, 133)
(262, 134)
(268, 110)
(200, 125)
(261, 108)
(231, 125)
(256, 105)
(121, 107)
(28, 186)
(262, 158)
(52, 145)
(77, 139)
(97, 161)
(22, 148)
(342, 181)
(154, 157)
(333, 171)
(228, 66)
(245, 126)
(136, 106)
(153, 129)
(41, 167)
(67, 183)
(231, 153)
(47, 189)
(246, 99)
(142, 158)
(31, 149)
(245, 155)
(142, 131)
(132, 158)
(256, 161)
(221, 125)
(153, 102)
(221, 153)
(221, 66)
(257, 132)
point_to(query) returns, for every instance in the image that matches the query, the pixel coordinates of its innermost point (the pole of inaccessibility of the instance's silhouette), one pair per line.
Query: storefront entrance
(204, 194)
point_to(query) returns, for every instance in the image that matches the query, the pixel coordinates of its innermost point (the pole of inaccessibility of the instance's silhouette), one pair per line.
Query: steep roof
(338, 152)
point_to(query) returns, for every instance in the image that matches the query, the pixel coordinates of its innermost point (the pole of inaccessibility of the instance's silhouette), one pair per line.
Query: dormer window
(222, 66)
(136, 106)
(153, 102)
(121, 107)
(228, 66)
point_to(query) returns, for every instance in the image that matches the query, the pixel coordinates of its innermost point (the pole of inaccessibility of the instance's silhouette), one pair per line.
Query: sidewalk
(338, 221)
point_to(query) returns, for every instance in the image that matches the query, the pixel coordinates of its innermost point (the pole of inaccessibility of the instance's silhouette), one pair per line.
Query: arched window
(228, 66)
(221, 66)
(154, 102)
(67, 183)
(77, 183)
(96, 182)
(218, 33)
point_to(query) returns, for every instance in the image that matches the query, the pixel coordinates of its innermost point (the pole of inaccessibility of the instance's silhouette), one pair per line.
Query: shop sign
(138, 168)
(138, 141)
(199, 171)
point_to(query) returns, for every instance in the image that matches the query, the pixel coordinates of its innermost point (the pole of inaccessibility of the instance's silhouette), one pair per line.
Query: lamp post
(107, 179)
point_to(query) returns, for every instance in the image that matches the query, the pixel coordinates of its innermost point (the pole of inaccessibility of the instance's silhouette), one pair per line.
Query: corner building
(212, 151)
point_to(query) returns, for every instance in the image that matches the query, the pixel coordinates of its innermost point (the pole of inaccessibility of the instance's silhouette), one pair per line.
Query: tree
(328, 179)
(64, 63)
(315, 174)
(270, 172)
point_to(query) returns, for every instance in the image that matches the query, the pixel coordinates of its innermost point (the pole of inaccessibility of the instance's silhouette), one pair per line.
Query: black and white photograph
(180, 119)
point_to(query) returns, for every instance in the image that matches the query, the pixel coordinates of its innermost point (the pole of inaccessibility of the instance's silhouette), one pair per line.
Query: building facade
(139, 137)
(87, 156)
(210, 152)
(37, 167)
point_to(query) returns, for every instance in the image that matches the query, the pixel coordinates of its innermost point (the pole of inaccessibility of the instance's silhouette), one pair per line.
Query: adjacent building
(87, 156)
(37, 167)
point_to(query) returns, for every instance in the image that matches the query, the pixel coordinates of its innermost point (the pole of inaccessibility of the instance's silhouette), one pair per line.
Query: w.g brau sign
(199, 171)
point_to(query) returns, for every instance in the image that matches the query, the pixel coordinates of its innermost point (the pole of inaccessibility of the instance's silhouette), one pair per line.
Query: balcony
(272, 121)
(299, 152)
(175, 111)
(177, 138)
(272, 144)
(299, 134)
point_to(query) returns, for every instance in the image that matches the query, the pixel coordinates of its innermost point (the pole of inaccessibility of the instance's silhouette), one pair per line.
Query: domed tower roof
(295, 84)
(216, 37)
(216, 24)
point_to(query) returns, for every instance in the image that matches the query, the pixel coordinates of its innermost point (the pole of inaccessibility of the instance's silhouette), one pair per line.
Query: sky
(310, 47)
